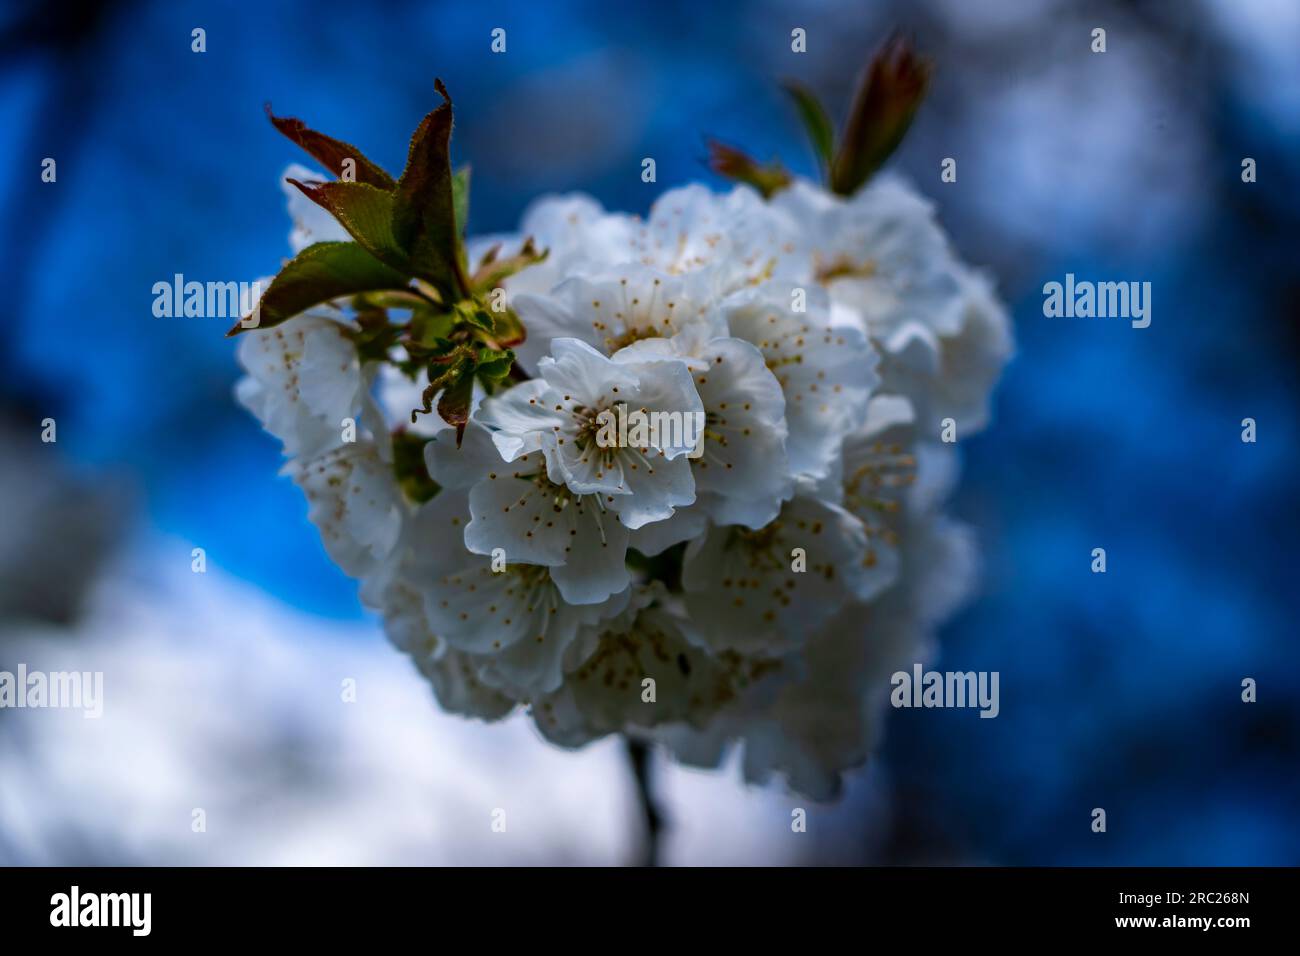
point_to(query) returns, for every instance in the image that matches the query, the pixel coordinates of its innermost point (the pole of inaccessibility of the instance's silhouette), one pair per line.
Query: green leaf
(364, 211)
(424, 210)
(815, 122)
(330, 152)
(320, 273)
(460, 198)
(887, 99)
(733, 164)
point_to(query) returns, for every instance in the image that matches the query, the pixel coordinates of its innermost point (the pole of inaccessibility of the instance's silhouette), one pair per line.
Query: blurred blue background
(1119, 691)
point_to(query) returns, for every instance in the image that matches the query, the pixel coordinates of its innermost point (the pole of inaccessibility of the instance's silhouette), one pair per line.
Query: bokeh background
(1119, 691)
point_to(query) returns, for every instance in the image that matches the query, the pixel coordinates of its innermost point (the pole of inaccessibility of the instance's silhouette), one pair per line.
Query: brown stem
(639, 756)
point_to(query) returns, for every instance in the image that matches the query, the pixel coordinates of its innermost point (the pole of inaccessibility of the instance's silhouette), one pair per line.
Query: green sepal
(472, 314)
(494, 365)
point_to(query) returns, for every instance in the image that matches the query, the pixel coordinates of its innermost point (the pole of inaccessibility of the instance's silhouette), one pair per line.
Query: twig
(639, 756)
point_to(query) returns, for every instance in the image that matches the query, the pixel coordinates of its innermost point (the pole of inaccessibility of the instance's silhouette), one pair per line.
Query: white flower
(517, 512)
(880, 255)
(888, 269)
(827, 373)
(742, 474)
(354, 501)
(820, 722)
(459, 689)
(952, 376)
(814, 715)
(520, 511)
(510, 615)
(735, 237)
(396, 591)
(461, 465)
(306, 385)
(763, 591)
(879, 466)
(636, 671)
(564, 415)
(304, 380)
(578, 238)
(614, 309)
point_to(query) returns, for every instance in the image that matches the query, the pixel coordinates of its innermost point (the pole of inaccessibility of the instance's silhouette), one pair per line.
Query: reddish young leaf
(734, 164)
(887, 98)
(331, 152)
(424, 205)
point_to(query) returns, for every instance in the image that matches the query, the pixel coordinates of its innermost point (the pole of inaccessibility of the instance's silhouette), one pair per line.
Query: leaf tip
(309, 190)
(732, 163)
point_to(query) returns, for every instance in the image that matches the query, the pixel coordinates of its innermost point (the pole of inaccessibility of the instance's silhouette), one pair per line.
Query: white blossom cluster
(759, 589)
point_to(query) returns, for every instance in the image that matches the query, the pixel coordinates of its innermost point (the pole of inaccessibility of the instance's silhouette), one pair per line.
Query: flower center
(842, 267)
